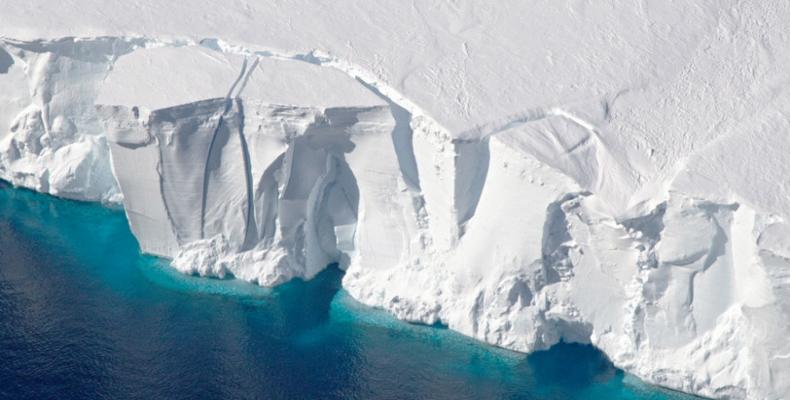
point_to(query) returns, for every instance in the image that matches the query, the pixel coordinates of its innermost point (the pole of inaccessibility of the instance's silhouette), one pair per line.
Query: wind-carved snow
(521, 232)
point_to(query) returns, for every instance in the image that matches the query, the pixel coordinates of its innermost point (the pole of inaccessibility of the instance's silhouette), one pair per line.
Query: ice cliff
(623, 185)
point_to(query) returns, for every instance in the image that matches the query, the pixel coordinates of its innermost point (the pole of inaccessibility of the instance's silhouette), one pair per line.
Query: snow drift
(648, 218)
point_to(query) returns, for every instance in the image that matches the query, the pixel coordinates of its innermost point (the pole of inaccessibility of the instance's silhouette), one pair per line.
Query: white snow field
(615, 173)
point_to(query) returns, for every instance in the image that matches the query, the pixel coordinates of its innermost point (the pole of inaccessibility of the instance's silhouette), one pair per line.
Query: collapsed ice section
(51, 139)
(523, 233)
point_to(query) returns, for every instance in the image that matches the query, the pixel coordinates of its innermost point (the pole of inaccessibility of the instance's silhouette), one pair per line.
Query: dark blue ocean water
(83, 316)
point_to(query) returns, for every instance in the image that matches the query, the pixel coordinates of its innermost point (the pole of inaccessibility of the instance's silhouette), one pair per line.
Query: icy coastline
(523, 232)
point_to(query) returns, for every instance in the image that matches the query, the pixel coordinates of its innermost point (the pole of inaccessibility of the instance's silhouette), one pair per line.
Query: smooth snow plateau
(524, 173)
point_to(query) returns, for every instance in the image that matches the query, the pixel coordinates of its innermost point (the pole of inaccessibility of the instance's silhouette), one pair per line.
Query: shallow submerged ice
(620, 187)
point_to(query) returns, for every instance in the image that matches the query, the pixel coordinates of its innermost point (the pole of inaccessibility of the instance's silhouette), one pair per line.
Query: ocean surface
(83, 315)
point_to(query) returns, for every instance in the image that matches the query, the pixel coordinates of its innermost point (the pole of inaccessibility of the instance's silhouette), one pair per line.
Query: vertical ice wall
(248, 185)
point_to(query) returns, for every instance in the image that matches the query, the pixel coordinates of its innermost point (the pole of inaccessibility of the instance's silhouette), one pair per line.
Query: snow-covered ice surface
(524, 173)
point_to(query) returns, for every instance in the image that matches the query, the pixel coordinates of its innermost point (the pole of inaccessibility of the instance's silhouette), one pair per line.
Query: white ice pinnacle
(524, 173)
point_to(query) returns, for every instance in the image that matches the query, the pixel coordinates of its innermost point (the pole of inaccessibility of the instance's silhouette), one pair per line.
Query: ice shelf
(610, 175)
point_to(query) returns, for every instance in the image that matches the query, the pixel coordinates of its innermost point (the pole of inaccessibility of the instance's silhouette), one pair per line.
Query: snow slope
(523, 173)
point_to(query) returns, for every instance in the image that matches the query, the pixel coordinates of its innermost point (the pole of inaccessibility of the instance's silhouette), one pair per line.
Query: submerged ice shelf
(638, 218)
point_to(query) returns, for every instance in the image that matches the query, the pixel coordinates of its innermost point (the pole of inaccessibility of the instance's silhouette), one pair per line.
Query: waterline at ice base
(104, 321)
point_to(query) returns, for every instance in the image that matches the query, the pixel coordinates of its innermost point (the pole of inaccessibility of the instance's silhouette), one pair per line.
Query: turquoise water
(84, 315)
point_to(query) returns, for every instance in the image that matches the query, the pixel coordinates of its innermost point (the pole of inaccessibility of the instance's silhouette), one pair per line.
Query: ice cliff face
(650, 220)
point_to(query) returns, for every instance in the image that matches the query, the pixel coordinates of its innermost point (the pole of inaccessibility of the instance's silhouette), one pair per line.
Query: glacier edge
(241, 177)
